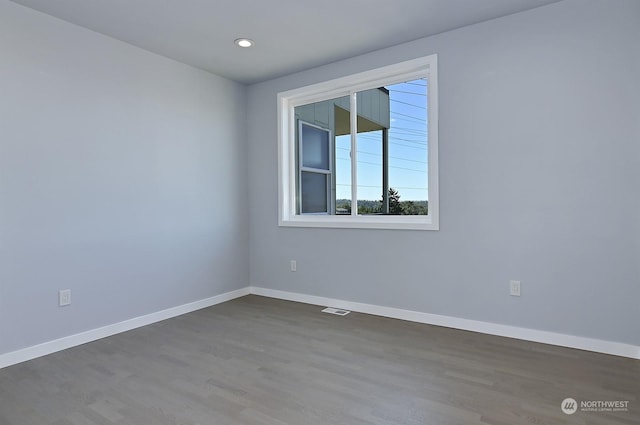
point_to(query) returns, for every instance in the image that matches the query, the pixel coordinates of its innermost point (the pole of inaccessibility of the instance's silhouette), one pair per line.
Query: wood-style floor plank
(260, 361)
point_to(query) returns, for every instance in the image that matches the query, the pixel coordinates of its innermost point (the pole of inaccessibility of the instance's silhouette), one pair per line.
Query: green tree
(394, 202)
(409, 208)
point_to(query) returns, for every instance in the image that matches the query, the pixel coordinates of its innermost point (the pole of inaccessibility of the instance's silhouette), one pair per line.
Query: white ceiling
(290, 35)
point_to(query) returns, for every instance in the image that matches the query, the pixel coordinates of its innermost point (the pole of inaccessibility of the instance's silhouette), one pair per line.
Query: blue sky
(407, 150)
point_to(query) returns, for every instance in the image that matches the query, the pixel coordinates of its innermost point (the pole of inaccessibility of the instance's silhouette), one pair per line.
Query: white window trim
(392, 74)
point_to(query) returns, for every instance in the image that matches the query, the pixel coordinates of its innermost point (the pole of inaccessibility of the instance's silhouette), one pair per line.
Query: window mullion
(354, 152)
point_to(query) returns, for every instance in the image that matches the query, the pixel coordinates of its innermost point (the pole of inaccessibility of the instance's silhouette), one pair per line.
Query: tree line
(396, 206)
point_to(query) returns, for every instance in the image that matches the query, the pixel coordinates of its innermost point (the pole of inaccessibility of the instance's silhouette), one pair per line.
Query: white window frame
(425, 67)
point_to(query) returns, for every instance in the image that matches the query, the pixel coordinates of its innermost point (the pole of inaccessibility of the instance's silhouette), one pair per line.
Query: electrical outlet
(294, 265)
(64, 297)
(514, 288)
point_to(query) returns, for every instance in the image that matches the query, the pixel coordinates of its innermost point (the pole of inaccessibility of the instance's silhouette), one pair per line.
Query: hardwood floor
(261, 361)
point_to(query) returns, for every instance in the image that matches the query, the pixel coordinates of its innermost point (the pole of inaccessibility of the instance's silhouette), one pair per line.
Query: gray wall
(539, 163)
(122, 176)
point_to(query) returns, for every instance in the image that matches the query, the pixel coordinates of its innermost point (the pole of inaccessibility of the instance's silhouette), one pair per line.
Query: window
(315, 169)
(361, 151)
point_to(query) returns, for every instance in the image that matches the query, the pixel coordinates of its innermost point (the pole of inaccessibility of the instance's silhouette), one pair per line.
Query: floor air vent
(336, 311)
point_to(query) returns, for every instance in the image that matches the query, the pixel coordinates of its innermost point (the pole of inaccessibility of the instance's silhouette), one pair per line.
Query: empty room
(286, 212)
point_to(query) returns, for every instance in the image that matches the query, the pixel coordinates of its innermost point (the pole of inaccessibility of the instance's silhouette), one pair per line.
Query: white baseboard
(571, 341)
(563, 340)
(49, 347)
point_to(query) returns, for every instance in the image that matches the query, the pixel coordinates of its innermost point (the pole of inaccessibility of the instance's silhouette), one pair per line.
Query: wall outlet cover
(64, 297)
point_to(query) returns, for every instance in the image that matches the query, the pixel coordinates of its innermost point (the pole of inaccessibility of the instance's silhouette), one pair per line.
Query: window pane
(315, 147)
(343, 174)
(313, 192)
(370, 172)
(342, 125)
(392, 149)
(374, 121)
(324, 144)
(408, 148)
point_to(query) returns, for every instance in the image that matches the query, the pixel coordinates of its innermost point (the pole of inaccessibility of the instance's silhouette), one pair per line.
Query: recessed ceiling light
(243, 42)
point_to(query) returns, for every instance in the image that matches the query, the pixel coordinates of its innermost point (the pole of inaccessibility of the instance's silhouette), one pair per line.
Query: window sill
(362, 222)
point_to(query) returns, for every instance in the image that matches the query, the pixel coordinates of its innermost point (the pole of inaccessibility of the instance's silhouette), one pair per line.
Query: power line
(407, 146)
(369, 137)
(408, 169)
(408, 130)
(410, 104)
(406, 120)
(375, 139)
(380, 165)
(393, 140)
(407, 140)
(379, 139)
(380, 187)
(409, 188)
(412, 83)
(409, 116)
(360, 185)
(408, 92)
(410, 160)
(377, 154)
(404, 137)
